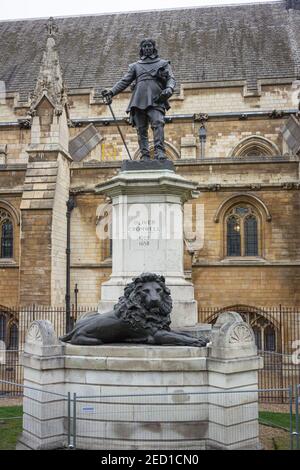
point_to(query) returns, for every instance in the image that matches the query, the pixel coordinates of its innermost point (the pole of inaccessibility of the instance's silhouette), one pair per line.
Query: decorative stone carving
(255, 187)
(4, 215)
(214, 187)
(290, 186)
(241, 334)
(3, 154)
(200, 117)
(276, 114)
(24, 123)
(50, 83)
(34, 334)
(41, 339)
(3, 149)
(232, 337)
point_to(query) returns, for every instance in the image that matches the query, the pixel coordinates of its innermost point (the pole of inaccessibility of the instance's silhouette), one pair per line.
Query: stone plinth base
(140, 396)
(147, 201)
(146, 165)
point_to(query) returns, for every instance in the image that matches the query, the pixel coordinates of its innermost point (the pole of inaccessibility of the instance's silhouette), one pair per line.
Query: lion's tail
(67, 337)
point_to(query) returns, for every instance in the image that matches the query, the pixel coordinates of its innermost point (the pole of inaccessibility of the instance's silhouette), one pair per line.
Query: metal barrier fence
(11, 371)
(91, 414)
(34, 411)
(279, 371)
(14, 323)
(87, 422)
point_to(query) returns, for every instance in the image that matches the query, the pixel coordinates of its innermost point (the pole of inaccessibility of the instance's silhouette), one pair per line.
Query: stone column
(44, 226)
(233, 365)
(44, 413)
(46, 189)
(147, 221)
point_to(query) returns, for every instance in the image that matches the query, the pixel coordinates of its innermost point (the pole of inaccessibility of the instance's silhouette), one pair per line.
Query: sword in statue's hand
(107, 99)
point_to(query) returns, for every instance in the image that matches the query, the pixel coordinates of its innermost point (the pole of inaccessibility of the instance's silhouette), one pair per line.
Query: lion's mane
(131, 309)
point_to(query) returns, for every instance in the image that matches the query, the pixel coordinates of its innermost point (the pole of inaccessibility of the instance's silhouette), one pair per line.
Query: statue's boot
(143, 142)
(159, 138)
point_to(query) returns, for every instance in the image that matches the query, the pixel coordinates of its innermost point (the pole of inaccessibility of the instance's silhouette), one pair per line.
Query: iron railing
(277, 333)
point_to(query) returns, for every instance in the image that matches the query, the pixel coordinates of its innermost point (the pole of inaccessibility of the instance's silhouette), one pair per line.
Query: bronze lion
(142, 315)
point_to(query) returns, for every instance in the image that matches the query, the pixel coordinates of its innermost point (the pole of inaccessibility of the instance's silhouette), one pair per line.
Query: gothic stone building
(233, 128)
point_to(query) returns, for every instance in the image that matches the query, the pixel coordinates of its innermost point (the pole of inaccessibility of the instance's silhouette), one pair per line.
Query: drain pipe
(70, 207)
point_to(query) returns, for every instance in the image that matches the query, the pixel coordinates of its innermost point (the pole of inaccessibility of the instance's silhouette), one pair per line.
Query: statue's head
(148, 299)
(148, 49)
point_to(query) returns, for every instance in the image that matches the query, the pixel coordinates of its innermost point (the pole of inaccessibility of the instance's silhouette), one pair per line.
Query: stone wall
(224, 286)
(9, 285)
(35, 270)
(17, 141)
(273, 277)
(223, 136)
(89, 259)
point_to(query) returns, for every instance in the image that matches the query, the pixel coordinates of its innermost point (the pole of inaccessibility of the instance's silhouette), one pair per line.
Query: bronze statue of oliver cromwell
(154, 83)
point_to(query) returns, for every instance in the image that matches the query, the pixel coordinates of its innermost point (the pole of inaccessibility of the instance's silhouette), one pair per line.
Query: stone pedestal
(147, 223)
(143, 397)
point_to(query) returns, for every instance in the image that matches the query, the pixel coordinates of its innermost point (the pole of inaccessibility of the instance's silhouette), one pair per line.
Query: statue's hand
(167, 93)
(107, 96)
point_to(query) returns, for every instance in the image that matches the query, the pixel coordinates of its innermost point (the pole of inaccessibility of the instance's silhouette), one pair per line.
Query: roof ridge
(208, 45)
(198, 7)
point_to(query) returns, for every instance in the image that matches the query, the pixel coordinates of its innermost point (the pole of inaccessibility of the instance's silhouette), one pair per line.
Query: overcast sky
(11, 9)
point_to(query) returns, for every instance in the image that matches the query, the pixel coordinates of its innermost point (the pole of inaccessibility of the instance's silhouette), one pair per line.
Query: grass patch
(275, 430)
(10, 429)
(279, 420)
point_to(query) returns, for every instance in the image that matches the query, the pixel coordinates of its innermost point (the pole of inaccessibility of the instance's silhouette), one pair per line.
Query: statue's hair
(155, 51)
(131, 309)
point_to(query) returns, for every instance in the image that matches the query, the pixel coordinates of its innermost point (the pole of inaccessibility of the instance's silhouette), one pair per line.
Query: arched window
(269, 338)
(255, 146)
(242, 226)
(6, 235)
(251, 235)
(2, 328)
(233, 236)
(264, 332)
(13, 340)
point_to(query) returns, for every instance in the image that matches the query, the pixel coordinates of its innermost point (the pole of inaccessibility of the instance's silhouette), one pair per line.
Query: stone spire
(50, 83)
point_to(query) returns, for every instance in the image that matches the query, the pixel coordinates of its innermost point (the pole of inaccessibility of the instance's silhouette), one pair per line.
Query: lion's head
(146, 303)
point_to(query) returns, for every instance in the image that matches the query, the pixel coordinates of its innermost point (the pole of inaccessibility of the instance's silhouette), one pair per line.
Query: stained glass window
(233, 237)
(251, 236)
(2, 328)
(241, 210)
(14, 337)
(7, 239)
(270, 339)
(257, 335)
(242, 232)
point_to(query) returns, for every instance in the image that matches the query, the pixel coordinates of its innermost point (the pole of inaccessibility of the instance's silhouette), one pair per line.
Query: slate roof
(221, 43)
